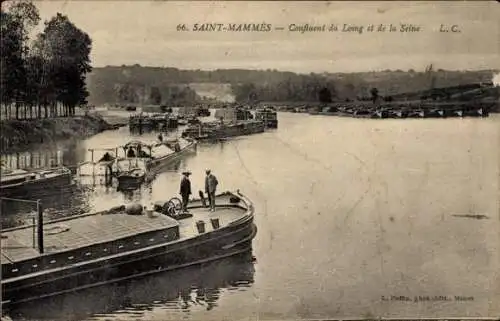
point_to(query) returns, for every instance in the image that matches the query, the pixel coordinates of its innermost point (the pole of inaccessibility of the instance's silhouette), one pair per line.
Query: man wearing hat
(210, 188)
(185, 190)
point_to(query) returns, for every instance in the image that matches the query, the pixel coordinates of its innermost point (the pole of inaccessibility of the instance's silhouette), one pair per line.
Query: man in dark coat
(185, 190)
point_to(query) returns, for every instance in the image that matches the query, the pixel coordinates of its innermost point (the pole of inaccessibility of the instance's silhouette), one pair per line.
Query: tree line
(45, 76)
(275, 85)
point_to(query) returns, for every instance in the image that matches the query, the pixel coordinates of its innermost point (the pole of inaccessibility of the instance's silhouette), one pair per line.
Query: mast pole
(40, 226)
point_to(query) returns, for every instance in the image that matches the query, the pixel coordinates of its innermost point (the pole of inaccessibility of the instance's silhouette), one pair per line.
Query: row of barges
(404, 112)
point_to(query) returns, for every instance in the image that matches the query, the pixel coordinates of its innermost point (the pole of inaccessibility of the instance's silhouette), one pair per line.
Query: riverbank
(18, 135)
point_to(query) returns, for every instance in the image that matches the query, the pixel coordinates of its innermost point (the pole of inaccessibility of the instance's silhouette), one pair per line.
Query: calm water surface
(349, 211)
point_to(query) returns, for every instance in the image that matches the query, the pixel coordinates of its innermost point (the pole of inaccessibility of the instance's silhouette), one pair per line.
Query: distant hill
(121, 84)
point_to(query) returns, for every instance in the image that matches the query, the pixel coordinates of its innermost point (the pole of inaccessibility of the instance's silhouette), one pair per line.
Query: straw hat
(187, 173)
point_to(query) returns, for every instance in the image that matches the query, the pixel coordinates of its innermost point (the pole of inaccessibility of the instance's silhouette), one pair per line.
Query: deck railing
(37, 226)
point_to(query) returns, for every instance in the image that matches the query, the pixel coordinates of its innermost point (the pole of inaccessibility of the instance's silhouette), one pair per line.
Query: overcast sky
(144, 32)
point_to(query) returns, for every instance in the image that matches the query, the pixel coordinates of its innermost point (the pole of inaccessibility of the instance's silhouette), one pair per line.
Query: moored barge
(20, 182)
(94, 249)
(137, 156)
(268, 116)
(216, 130)
(231, 122)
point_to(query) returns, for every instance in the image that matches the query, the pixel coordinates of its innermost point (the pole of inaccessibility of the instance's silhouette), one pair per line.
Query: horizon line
(295, 72)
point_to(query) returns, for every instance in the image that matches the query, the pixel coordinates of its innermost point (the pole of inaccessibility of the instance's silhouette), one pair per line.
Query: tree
(66, 50)
(22, 17)
(155, 96)
(374, 93)
(12, 67)
(325, 96)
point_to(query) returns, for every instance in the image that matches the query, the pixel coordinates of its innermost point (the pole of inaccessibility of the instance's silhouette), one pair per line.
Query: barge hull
(212, 246)
(31, 188)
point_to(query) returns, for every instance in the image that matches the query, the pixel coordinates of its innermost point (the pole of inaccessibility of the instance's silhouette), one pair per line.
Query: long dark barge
(94, 249)
(150, 122)
(217, 130)
(21, 182)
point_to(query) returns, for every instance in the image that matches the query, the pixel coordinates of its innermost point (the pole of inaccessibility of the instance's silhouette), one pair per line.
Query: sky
(145, 32)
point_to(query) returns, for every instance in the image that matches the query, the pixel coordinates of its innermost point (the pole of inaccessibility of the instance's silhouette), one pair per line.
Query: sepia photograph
(130, 190)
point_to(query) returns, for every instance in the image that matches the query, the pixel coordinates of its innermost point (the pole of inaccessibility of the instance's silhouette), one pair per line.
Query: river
(350, 212)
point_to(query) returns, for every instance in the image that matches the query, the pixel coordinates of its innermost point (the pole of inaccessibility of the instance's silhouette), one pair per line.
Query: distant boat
(268, 116)
(121, 243)
(231, 122)
(154, 156)
(23, 182)
(203, 112)
(131, 179)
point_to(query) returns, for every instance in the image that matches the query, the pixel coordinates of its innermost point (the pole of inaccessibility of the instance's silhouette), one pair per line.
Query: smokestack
(496, 80)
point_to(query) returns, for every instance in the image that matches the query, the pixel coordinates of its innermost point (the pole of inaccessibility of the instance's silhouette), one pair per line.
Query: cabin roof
(79, 232)
(135, 143)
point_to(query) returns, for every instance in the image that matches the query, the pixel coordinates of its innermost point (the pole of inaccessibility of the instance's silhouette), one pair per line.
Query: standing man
(185, 190)
(210, 188)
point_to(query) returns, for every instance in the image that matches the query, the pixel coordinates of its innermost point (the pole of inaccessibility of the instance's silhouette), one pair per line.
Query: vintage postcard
(250, 160)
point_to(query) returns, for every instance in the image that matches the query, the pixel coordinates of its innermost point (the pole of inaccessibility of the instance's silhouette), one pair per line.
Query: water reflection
(33, 159)
(56, 203)
(182, 291)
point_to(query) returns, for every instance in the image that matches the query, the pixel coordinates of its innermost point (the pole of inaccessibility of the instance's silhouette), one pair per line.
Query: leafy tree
(12, 67)
(21, 18)
(66, 50)
(325, 96)
(374, 93)
(155, 96)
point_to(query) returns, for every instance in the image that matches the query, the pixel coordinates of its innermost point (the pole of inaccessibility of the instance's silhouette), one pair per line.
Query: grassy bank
(19, 134)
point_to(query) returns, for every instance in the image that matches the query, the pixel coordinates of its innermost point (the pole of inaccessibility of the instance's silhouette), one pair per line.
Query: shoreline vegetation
(19, 135)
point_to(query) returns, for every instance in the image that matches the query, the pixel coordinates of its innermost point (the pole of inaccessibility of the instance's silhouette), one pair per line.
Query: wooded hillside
(110, 84)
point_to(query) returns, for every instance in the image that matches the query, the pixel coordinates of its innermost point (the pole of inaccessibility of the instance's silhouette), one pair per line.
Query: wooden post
(40, 226)
(33, 220)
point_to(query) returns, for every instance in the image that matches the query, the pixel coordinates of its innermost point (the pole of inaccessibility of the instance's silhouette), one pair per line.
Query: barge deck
(93, 249)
